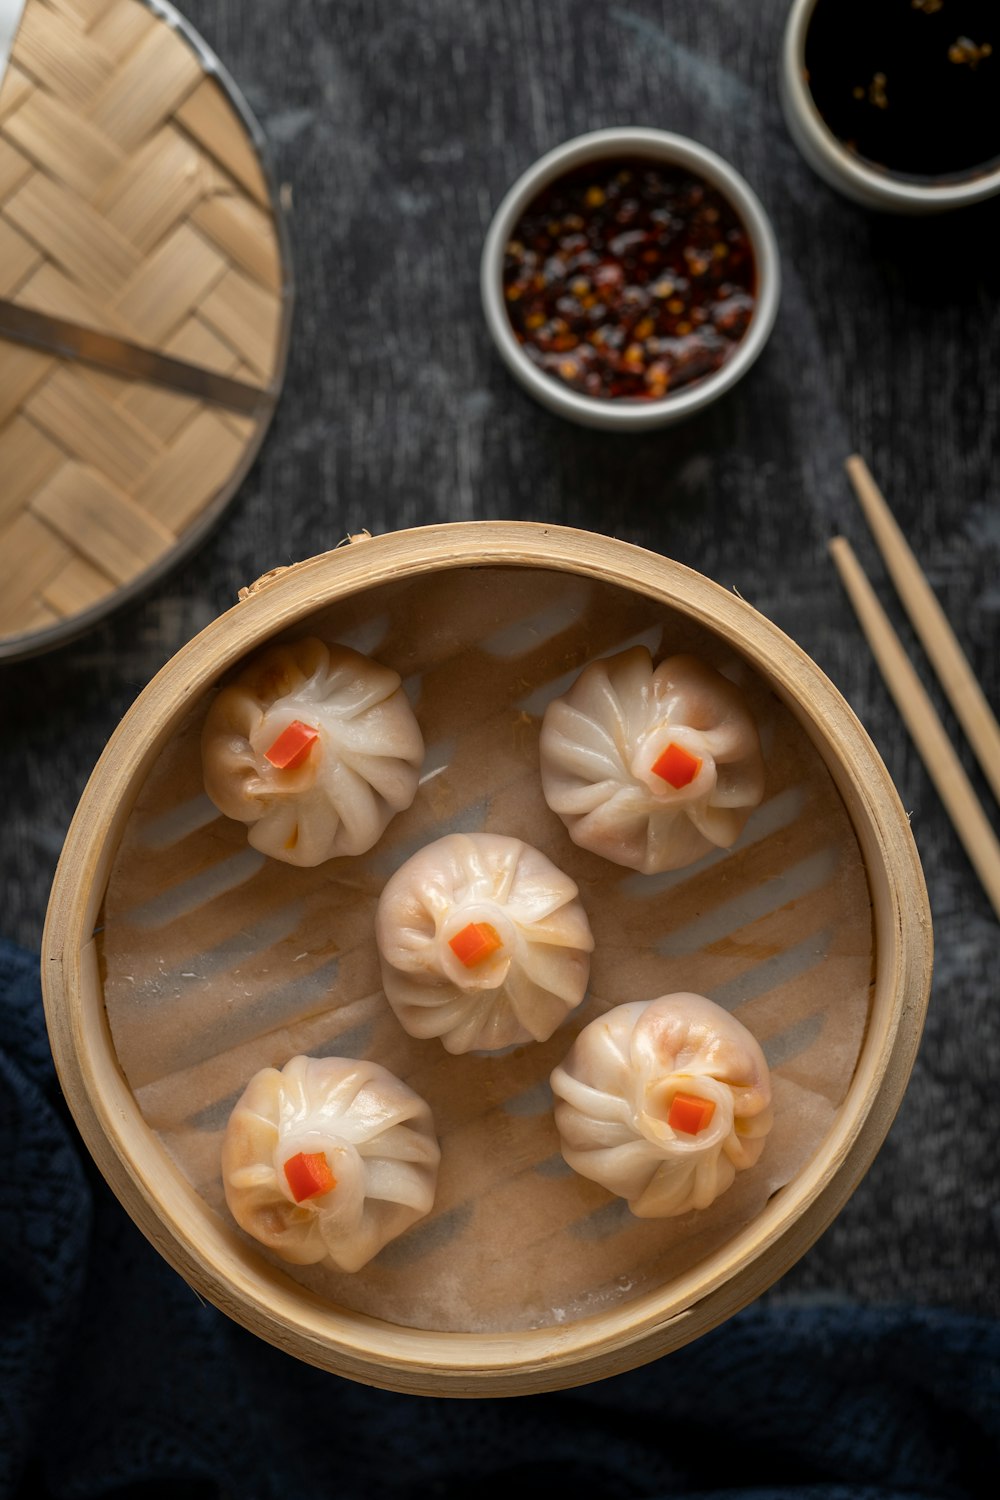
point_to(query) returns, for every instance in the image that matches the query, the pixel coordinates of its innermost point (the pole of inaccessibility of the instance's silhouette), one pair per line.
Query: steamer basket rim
(421, 1361)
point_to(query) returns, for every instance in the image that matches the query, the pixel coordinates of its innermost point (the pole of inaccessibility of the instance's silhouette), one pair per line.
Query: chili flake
(629, 279)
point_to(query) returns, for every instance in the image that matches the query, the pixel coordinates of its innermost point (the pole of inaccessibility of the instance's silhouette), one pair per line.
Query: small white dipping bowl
(621, 414)
(842, 169)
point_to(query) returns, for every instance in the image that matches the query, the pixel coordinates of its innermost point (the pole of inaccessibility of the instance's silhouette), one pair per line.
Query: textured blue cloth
(116, 1379)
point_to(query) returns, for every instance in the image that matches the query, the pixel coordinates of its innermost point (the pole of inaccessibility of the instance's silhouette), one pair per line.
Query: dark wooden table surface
(397, 125)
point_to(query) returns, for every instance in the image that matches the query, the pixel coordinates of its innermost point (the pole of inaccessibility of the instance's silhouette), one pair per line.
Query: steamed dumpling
(651, 769)
(483, 943)
(315, 747)
(618, 1090)
(320, 1119)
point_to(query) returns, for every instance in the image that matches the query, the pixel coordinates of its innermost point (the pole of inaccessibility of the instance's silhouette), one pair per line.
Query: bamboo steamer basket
(224, 1266)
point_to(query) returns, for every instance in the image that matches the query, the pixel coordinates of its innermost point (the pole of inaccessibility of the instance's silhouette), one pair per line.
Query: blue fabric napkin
(116, 1379)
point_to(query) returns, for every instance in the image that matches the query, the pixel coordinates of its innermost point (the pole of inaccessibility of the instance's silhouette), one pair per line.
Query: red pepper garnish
(474, 943)
(309, 1175)
(292, 746)
(677, 766)
(690, 1114)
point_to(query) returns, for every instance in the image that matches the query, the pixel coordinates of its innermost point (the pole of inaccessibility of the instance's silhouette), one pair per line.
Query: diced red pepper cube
(690, 1114)
(677, 766)
(292, 746)
(309, 1175)
(474, 943)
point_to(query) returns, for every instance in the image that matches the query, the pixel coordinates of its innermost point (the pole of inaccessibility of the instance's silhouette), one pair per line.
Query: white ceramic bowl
(659, 146)
(841, 168)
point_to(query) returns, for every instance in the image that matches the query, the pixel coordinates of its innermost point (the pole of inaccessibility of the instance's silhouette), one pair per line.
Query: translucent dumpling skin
(376, 1137)
(615, 1095)
(528, 971)
(359, 768)
(651, 768)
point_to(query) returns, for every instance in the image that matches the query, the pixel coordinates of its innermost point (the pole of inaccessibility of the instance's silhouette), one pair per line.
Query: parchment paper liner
(219, 962)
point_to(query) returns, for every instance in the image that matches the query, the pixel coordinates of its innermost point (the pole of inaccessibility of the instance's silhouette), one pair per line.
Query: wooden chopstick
(921, 719)
(929, 621)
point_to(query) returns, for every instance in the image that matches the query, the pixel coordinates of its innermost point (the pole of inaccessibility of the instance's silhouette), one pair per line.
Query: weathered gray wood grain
(397, 125)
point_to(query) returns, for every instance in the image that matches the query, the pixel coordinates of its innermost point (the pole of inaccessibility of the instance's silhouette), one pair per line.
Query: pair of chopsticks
(949, 662)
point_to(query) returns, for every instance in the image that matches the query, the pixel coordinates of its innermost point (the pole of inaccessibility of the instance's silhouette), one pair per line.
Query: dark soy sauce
(911, 86)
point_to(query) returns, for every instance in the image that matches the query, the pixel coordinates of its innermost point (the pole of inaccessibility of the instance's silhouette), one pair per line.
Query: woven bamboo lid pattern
(132, 201)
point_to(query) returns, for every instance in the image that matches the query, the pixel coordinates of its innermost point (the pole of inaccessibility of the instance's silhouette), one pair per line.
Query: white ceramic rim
(661, 145)
(825, 153)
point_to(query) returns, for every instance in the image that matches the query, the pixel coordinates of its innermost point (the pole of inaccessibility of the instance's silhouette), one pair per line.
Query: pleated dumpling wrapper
(315, 747)
(483, 942)
(328, 1160)
(651, 768)
(663, 1102)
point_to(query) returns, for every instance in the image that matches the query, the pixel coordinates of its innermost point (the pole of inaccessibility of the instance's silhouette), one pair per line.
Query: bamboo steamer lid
(136, 204)
(225, 1266)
